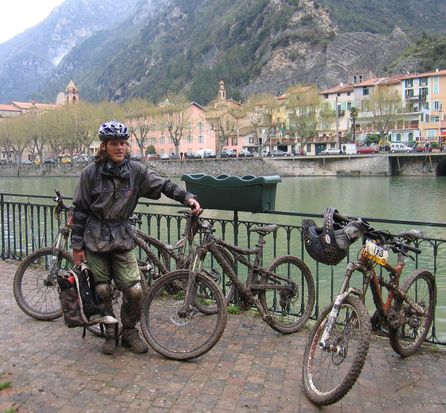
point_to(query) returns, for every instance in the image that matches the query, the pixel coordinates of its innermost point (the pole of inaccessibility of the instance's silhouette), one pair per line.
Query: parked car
(65, 160)
(164, 156)
(330, 151)
(192, 155)
(363, 150)
(244, 153)
(26, 162)
(49, 161)
(278, 152)
(209, 154)
(400, 147)
(228, 153)
(419, 147)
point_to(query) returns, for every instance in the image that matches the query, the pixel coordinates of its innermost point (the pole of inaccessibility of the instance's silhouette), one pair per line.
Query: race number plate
(376, 253)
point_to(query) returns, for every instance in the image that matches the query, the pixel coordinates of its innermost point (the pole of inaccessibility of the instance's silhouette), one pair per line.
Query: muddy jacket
(106, 197)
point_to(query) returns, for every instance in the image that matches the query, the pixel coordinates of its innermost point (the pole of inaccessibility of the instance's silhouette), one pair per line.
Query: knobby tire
(343, 366)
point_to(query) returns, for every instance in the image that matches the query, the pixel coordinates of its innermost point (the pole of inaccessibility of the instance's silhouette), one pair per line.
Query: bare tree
(140, 115)
(303, 106)
(172, 115)
(224, 120)
(385, 108)
(15, 138)
(259, 114)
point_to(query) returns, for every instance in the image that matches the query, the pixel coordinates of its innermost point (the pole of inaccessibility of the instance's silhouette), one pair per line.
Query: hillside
(150, 47)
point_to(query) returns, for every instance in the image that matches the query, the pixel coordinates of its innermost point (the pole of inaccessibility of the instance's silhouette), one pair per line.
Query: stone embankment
(343, 165)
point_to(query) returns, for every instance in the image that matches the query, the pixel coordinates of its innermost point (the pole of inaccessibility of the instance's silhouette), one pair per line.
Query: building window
(436, 88)
(410, 137)
(408, 82)
(349, 105)
(162, 140)
(423, 91)
(201, 139)
(365, 91)
(190, 139)
(409, 93)
(423, 81)
(398, 137)
(437, 105)
(431, 133)
(200, 127)
(234, 141)
(251, 139)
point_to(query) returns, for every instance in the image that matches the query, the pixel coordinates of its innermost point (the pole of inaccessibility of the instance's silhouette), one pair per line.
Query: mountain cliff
(150, 47)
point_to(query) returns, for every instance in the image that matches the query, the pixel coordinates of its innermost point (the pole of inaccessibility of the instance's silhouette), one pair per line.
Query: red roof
(31, 105)
(338, 89)
(9, 108)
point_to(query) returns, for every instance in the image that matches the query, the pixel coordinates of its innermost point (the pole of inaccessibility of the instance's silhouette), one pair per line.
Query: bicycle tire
(35, 289)
(328, 384)
(408, 338)
(218, 274)
(173, 335)
(288, 314)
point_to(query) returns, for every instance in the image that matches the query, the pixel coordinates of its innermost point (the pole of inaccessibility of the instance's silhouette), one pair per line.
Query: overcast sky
(19, 15)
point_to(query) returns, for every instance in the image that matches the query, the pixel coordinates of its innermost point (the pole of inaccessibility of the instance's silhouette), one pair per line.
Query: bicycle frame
(215, 246)
(366, 266)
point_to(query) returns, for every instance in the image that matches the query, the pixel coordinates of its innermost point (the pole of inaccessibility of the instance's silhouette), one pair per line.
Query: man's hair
(101, 154)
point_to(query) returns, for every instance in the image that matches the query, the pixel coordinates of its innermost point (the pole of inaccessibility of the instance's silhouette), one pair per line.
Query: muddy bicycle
(35, 281)
(190, 323)
(338, 344)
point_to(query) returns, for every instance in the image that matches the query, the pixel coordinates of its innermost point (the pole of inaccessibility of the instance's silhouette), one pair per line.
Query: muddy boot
(132, 340)
(104, 294)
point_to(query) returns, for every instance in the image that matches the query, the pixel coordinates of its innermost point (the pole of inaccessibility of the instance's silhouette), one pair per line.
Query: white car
(400, 147)
(330, 151)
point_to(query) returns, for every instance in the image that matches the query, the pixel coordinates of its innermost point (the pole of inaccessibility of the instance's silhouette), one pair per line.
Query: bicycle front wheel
(329, 373)
(419, 287)
(35, 282)
(177, 332)
(289, 305)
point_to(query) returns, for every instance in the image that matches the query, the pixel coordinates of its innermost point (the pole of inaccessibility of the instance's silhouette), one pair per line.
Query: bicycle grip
(412, 248)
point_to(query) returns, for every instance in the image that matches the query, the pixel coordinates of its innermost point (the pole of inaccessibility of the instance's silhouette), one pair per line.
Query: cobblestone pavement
(252, 369)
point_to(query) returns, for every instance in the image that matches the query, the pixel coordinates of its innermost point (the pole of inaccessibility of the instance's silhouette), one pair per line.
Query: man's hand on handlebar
(79, 257)
(194, 205)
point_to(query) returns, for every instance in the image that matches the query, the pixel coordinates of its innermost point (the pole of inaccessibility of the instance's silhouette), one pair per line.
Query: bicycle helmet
(112, 130)
(329, 244)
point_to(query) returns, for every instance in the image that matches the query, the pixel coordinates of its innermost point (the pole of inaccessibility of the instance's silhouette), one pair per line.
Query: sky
(18, 15)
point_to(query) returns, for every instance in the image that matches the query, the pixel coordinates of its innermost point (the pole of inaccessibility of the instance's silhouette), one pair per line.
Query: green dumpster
(234, 193)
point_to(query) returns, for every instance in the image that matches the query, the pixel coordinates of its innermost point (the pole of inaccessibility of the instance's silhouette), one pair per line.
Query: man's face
(116, 149)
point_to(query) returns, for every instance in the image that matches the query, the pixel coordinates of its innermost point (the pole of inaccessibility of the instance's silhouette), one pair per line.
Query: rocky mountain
(152, 47)
(29, 59)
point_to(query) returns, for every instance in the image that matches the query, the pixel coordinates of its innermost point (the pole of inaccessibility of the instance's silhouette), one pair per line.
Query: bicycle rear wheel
(407, 339)
(35, 282)
(289, 308)
(176, 332)
(329, 373)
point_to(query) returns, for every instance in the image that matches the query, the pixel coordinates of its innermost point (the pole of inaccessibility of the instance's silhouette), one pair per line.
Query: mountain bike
(338, 344)
(35, 281)
(190, 323)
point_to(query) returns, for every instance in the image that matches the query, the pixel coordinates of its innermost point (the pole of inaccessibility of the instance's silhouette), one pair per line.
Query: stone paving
(252, 369)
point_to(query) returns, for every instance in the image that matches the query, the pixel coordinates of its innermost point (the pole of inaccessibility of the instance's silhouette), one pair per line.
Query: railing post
(2, 221)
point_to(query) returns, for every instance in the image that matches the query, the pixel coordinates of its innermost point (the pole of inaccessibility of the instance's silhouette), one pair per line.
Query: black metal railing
(28, 223)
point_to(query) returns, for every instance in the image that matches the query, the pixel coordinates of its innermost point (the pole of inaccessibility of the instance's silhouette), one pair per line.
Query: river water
(400, 198)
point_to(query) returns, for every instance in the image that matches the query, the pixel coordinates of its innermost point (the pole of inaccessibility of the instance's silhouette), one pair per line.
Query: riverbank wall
(344, 165)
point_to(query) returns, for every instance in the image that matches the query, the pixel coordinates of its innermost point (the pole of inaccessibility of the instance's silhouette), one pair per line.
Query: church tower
(70, 96)
(222, 91)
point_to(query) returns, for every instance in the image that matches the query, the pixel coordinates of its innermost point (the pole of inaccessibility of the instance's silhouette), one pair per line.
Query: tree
(353, 116)
(384, 109)
(140, 115)
(259, 114)
(303, 107)
(224, 120)
(173, 116)
(15, 136)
